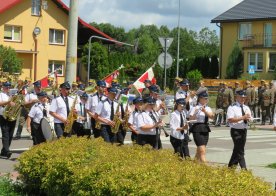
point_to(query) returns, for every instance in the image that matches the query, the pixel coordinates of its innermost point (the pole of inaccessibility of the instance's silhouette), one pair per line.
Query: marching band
(104, 114)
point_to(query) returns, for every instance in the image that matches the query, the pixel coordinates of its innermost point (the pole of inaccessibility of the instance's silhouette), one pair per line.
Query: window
(56, 36)
(272, 61)
(36, 7)
(56, 66)
(244, 31)
(12, 33)
(257, 60)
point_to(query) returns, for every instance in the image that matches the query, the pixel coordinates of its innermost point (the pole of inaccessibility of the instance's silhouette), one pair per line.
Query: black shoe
(6, 155)
(263, 123)
(17, 137)
(9, 155)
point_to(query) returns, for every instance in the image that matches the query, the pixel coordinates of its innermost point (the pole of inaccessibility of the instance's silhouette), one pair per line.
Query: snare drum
(47, 129)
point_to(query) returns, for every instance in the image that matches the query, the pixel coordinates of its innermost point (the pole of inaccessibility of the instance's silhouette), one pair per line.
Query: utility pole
(178, 35)
(165, 68)
(72, 43)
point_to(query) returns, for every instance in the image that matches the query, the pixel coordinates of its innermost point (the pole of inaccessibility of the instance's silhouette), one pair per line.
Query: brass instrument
(71, 117)
(11, 112)
(117, 120)
(126, 117)
(98, 124)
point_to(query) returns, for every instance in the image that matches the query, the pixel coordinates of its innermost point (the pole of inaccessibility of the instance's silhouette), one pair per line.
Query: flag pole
(121, 66)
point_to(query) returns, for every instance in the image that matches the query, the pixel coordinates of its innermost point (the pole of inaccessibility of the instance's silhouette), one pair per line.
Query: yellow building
(38, 30)
(253, 24)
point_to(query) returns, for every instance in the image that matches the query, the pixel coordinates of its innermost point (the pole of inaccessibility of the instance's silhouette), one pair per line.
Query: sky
(194, 14)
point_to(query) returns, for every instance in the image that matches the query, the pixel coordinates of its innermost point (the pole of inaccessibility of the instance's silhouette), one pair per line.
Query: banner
(45, 81)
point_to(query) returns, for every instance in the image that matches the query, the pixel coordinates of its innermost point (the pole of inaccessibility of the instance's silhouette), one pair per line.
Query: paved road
(260, 150)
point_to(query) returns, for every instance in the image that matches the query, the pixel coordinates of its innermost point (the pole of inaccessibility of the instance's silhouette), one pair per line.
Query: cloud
(195, 14)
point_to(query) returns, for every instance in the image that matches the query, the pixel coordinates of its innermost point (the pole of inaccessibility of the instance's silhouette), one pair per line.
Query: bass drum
(47, 130)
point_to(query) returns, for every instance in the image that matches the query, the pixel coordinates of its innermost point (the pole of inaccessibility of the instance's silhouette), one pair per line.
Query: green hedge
(80, 166)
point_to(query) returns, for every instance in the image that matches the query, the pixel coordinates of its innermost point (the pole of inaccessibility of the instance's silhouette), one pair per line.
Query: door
(268, 35)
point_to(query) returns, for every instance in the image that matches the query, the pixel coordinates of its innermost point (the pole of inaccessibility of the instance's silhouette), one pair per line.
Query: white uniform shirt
(58, 106)
(274, 118)
(235, 111)
(93, 102)
(30, 96)
(181, 94)
(133, 119)
(175, 123)
(80, 107)
(200, 116)
(3, 97)
(104, 109)
(145, 119)
(36, 112)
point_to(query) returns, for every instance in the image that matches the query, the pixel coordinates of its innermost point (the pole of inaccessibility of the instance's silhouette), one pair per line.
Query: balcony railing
(259, 41)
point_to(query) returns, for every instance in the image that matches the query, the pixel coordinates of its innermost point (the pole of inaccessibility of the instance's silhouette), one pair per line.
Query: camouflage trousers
(266, 113)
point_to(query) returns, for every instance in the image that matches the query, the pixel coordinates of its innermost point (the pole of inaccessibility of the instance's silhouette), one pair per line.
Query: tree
(194, 77)
(235, 63)
(99, 66)
(9, 60)
(214, 67)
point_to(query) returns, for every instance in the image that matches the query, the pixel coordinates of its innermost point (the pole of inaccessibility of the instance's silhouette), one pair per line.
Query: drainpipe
(220, 55)
(35, 58)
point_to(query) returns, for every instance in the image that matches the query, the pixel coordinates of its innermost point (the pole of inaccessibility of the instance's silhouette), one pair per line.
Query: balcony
(259, 41)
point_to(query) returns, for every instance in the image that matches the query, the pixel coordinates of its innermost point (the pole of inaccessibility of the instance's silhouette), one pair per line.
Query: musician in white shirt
(179, 137)
(148, 124)
(37, 113)
(7, 127)
(81, 125)
(200, 129)
(60, 108)
(238, 115)
(132, 121)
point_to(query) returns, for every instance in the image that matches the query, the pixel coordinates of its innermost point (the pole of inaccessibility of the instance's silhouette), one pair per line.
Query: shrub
(194, 77)
(7, 187)
(79, 166)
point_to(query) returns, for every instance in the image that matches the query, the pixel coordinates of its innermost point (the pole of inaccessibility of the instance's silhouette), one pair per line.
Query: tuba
(71, 117)
(11, 112)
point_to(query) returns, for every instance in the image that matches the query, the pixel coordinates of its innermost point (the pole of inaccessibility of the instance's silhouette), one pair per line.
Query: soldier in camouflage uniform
(237, 87)
(273, 94)
(228, 99)
(250, 97)
(266, 101)
(261, 89)
(219, 102)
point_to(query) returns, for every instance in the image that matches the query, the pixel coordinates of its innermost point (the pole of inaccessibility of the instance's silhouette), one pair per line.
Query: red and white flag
(148, 75)
(45, 81)
(108, 79)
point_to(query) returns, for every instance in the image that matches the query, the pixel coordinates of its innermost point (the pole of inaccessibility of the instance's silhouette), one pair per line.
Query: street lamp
(101, 38)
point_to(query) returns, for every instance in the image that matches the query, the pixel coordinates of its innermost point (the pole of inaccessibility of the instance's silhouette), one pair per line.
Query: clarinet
(161, 127)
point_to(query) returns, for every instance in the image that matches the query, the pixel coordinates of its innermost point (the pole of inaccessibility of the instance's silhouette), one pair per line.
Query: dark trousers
(121, 135)
(181, 146)
(107, 135)
(134, 137)
(78, 129)
(7, 129)
(22, 119)
(149, 139)
(272, 113)
(36, 133)
(265, 113)
(59, 129)
(96, 132)
(239, 139)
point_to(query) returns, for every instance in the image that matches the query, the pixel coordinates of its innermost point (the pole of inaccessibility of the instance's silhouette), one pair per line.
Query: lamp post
(178, 35)
(89, 49)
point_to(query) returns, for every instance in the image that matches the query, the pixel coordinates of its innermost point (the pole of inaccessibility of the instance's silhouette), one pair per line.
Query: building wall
(230, 35)
(53, 18)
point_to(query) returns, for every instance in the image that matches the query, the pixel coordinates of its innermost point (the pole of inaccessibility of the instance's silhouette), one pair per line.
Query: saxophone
(117, 120)
(11, 112)
(71, 117)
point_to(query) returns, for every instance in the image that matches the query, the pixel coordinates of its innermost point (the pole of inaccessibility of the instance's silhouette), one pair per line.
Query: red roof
(7, 4)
